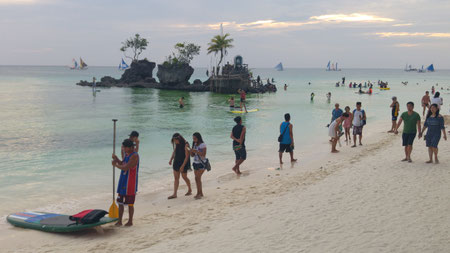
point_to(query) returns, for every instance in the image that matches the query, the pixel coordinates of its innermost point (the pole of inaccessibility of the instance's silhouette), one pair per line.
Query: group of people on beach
(341, 120)
(410, 119)
(180, 162)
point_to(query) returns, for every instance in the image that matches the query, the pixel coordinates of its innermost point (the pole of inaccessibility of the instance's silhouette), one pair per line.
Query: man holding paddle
(128, 180)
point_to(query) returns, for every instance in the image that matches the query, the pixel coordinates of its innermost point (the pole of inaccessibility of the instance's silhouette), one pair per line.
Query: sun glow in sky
(357, 33)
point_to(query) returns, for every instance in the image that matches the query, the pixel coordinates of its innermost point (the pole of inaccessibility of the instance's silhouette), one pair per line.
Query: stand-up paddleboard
(51, 222)
(243, 111)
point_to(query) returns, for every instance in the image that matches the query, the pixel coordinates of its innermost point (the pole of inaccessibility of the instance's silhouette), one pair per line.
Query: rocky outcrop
(139, 71)
(174, 74)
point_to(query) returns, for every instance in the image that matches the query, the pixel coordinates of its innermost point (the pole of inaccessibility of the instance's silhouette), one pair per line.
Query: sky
(298, 33)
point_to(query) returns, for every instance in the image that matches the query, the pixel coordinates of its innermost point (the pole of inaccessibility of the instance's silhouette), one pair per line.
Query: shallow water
(56, 137)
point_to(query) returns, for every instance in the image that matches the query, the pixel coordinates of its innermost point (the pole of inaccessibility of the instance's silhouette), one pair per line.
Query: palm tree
(220, 43)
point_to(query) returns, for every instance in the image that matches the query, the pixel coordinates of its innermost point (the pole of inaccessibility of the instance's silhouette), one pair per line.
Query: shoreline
(158, 219)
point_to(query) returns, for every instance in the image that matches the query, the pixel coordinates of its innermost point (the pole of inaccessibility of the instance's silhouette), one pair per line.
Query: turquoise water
(56, 137)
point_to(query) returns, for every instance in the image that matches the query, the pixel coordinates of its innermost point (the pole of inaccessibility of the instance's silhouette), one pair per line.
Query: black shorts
(394, 118)
(198, 166)
(176, 167)
(241, 154)
(408, 139)
(286, 148)
(126, 200)
(243, 100)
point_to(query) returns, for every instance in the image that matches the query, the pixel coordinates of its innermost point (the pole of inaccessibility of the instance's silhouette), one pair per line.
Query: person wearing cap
(134, 137)
(238, 137)
(128, 180)
(395, 109)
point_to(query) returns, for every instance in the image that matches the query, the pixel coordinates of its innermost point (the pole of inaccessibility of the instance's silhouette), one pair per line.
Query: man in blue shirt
(286, 138)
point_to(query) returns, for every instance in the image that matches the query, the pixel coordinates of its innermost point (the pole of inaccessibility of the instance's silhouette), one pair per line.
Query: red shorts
(126, 200)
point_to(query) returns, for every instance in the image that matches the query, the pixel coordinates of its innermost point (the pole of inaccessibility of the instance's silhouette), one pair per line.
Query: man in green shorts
(412, 123)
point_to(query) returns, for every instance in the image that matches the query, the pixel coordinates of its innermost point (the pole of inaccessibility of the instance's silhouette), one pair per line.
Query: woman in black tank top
(181, 163)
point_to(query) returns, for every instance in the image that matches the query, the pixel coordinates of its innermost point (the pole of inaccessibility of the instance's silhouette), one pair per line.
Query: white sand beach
(360, 200)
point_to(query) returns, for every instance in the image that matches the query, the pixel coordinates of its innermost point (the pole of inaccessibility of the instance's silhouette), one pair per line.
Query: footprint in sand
(232, 176)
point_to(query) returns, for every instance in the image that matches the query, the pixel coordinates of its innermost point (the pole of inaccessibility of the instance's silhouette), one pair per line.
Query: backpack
(88, 216)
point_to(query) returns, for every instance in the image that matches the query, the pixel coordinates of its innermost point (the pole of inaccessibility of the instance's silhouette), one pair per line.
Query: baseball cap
(134, 134)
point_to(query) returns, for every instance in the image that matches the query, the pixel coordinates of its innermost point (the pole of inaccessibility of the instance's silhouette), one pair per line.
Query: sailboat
(279, 67)
(409, 68)
(430, 68)
(332, 66)
(83, 65)
(74, 64)
(123, 65)
(422, 70)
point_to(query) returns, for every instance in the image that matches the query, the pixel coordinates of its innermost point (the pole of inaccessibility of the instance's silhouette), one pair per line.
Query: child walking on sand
(347, 125)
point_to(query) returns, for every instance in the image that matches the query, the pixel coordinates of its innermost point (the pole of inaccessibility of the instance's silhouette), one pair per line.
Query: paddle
(114, 209)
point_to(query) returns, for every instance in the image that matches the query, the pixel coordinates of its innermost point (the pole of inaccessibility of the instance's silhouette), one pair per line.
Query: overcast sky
(299, 33)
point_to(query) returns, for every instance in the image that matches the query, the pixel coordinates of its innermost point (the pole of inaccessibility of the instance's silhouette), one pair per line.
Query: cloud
(412, 34)
(18, 2)
(354, 17)
(406, 45)
(270, 23)
(406, 24)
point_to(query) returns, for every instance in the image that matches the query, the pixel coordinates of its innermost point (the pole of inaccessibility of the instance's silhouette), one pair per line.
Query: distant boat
(430, 68)
(74, 64)
(332, 66)
(279, 67)
(123, 65)
(422, 70)
(409, 68)
(83, 65)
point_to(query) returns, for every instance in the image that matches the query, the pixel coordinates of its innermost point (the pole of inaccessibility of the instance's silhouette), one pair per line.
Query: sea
(56, 138)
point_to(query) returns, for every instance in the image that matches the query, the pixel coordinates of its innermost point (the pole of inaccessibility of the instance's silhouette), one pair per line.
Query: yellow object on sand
(113, 211)
(385, 88)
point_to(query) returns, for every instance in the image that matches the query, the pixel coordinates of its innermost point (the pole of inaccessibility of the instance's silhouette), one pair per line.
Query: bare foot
(118, 224)
(410, 161)
(334, 151)
(281, 162)
(293, 160)
(198, 197)
(354, 146)
(436, 161)
(360, 144)
(430, 161)
(404, 160)
(172, 197)
(390, 131)
(129, 224)
(189, 193)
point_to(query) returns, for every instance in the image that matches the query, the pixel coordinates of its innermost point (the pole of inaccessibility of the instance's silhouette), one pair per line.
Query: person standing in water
(312, 96)
(334, 131)
(347, 125)
(243, 97)
(432, 90)
(181, 163)
(412, 123)
(181, 102)
(435, 124)
(425, 102)
(328, 96)
(128, 181)
(231, 101)
(198, 151)
(285, 86)
(287, 138)
(238, 137)
(395, 109)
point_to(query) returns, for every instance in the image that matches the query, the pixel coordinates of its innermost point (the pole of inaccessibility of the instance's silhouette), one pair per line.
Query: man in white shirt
(358, 120)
